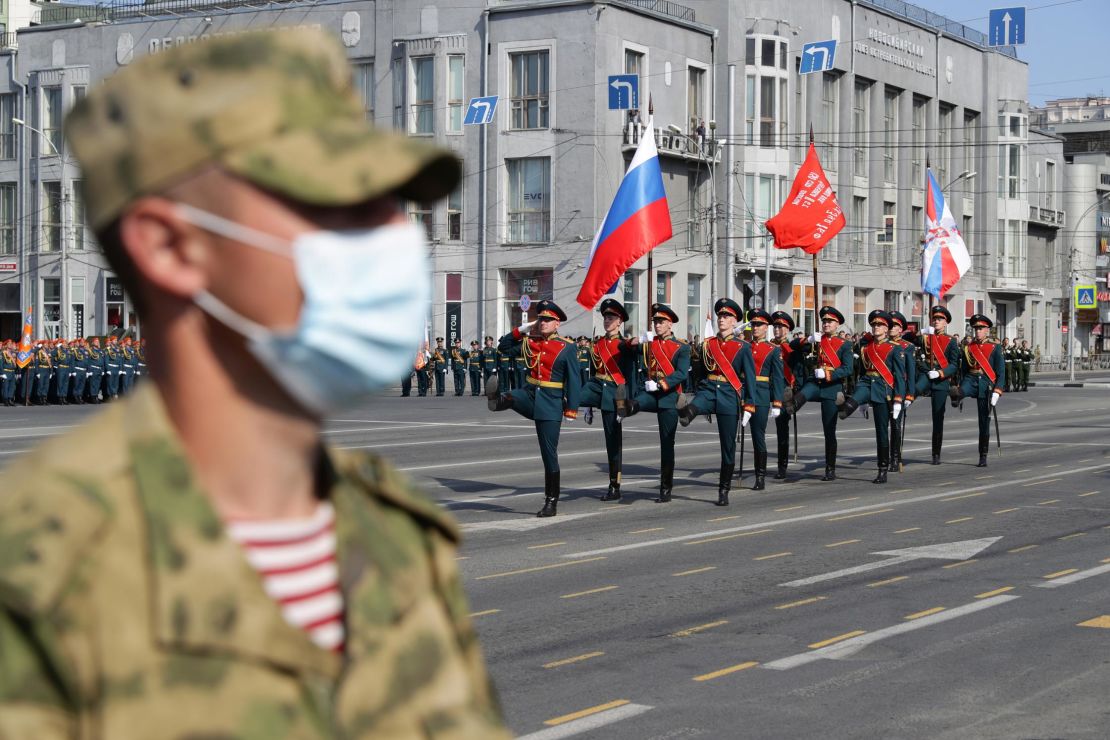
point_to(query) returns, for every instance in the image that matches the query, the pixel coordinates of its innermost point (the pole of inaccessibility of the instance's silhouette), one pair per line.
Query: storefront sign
(9, 266)
(877, 39)
(454, 322)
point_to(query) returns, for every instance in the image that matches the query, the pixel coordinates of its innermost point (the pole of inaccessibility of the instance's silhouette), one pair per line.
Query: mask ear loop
(232, 230)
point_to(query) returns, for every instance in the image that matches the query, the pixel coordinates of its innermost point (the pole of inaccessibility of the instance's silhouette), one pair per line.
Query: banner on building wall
(453, 330)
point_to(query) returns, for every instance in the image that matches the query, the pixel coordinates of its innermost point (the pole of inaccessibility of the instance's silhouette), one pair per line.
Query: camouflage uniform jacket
(127, 612)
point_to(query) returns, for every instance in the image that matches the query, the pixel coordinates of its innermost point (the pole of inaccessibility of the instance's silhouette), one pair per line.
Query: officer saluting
(552, 391)
(667, 362)
(909, 367)
(614, 362)
(726, 358)
(984, 379)
(832, 362)
(764, 390)
(940, 355)
(882, 382)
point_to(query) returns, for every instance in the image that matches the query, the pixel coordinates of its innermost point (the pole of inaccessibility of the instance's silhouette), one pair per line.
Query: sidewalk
(1061, 379)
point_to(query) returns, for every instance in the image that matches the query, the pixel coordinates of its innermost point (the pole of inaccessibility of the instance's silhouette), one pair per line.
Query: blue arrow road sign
(624, 92)
(1007, 27)
(480, 111)
(1085, 296)
(818, 56)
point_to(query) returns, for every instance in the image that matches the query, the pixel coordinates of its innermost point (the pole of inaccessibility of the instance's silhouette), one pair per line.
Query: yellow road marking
(1069, 536)
(463, 557)
(966, 495)
(726, 671)
(903, 490)
(585, 712)
(549, 544)
(699, 628)
(575, 659)
(961, 519)
(538, 568)
(587, 593)
(1050, 501)
(983, 477)
(842, 542)
(850, 498)
(728, 537)
(838, 638)
(856, 516)
(996, 592)
(1039, 482)
(725, 518)
(889, 580)
(1103, 622)
(1005, 511)
(695, 570)
(962, 562)
(791, 508)
(485, 613)
(927, 612)
(1059, 573)
(642, 531)
(1088, 493)
(910, 529)
(773, 556)
(1023, 549)
(803, 602)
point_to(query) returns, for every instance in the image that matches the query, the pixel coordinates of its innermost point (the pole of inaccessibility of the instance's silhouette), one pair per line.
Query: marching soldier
(726, 359)
(909, 368)
(554, 385)
(984, 380)
(792, 368)
(95, 371)
(439, 366)
(459, 357)
(937, 364)
(666, 360)
(831, 361)
(474, 368)
(614, 363)
(882, 382)
(489, 360)
(764, 390)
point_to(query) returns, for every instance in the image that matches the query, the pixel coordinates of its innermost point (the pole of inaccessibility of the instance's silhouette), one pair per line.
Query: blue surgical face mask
(366, 295)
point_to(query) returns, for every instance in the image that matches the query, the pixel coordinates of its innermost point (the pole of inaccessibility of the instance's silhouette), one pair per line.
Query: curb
(1066, 384)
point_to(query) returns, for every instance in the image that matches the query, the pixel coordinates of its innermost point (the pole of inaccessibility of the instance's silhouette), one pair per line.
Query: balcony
(674, 145)
(1047, 217)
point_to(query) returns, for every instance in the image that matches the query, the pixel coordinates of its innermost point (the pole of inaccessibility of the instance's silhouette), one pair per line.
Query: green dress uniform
(666, 360)
(1026, 366)
(504, 371)
(96, 374)
(63, 372)
(984, 378)
(909, 368)
(9, 374)
(793, 368)
(440, 360)
(489, 360)
(614, 363)
(940, 354)
(459, 357)
(584, 358)
(80, 373)
(474, 369)
(1008, 358)
(551, 393)
(111, 371)
(127, 365)
(834, 358)
(43, 370)
(764, 391)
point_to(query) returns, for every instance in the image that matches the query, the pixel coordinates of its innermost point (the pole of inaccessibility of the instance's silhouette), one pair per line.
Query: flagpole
(650, 275)
(816, 291)
(925, 209)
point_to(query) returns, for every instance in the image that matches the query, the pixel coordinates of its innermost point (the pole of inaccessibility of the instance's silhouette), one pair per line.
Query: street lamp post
(712, 207)
(965, 175)
(63, 292)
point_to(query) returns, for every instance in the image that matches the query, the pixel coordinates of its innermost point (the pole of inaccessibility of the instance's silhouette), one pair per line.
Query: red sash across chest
(877, 355)
(981, 354)
(784, 348)
(723, 353)
(829, 348)
(608, 351)
(938, 343)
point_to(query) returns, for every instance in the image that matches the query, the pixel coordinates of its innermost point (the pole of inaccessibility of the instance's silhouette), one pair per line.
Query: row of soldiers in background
(1019, 362)
(71, 372)
(432, 366)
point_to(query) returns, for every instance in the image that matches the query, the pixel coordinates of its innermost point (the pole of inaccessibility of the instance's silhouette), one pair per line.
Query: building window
(534, 282)
(364, 86)
(52, 119)
(76, 314)
(454, 213)
(52, 306)
(79, 93)
(456, 106)
(887, 236)
(79, 240)
(114, 303)
(529, 89)
(859, 310)
(50, 240)
(632, 297)
(767, 104)
(1009, 170)
(529, 200)
(7, 218)
(397, 73)
(830, 84)
(749, 110)
(694, 313)
(971, 139)
(1050, 185)
(422, 215)
(634, 65)
(695, 96)
(892, 300)
(944, 144)
(859, 218)
(1011, 249)
(663, 286)
(7, 127)
(423, 95)
(917, 151)
(860, 127)
(890, 135)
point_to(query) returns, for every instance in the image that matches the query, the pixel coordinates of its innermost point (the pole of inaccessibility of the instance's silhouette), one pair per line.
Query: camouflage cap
(276, 107)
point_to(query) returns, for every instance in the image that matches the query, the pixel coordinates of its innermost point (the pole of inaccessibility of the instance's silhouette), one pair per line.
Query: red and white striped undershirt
(296, 559)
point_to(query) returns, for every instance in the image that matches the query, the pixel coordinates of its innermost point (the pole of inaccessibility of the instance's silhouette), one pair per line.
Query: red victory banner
(811, 216)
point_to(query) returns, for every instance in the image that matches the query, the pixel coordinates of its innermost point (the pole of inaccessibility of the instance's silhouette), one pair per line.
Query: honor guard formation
(71, 372)
(752, 371)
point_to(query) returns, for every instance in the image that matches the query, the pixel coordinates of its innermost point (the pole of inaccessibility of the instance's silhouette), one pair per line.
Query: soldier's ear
(163, 247)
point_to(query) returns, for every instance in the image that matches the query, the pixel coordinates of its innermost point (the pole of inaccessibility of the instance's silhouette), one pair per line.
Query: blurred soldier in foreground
(152, 556)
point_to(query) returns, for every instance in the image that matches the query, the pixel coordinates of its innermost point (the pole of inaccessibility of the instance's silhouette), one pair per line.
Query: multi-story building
(907, 89)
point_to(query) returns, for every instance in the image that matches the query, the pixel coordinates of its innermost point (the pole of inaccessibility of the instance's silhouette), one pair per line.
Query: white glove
(745, 418)
(815, 337)
(934, 374)
(897, 410)
(928, 330)
(647, 336)
(819, 373)
(906, 404)
(525, 328)
(739, 329)
(775, 412)
(651, 386)
(994, 398)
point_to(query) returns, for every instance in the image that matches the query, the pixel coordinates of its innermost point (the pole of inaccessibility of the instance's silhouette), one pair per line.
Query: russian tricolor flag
(637, 221)
(944, 259)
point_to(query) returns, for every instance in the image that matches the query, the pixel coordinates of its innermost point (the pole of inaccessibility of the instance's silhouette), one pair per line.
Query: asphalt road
(641, 620)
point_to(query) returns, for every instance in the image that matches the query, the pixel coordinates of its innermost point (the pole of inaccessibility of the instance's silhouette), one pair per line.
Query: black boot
(956, 395)
(666, 483)
(550, 494)
(497, 401)
(760, 470)
(884, 465)
(614, 492)
(938, 439)
(984, 448)
(724, 485)
(686, 412)
(830, 461)
(850, 405)
(799, 401)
